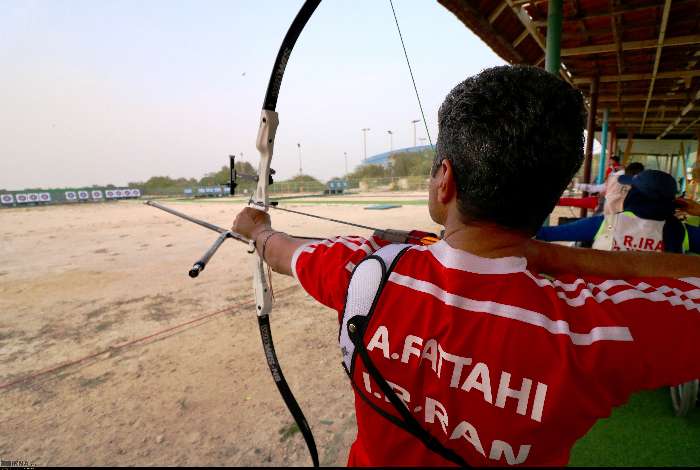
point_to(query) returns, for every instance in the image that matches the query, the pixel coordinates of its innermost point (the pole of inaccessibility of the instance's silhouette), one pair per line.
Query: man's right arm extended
(556, 259)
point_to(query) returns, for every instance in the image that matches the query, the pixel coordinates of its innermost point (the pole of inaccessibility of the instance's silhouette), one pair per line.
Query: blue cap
(654, 184)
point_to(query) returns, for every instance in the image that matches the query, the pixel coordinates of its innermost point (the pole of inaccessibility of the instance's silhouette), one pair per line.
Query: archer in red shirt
(462, 352)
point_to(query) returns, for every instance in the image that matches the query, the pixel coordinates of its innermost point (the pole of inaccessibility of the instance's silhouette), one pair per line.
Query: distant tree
(411, 164)
(369, 171)
(304, 183)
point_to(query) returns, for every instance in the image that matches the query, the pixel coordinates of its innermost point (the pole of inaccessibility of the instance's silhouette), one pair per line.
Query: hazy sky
(97, 92)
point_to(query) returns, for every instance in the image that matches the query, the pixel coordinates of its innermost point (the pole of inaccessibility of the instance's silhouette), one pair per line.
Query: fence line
(409, 183)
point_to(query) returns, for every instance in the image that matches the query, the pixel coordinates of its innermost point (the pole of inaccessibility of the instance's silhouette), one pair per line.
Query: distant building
(383, 158)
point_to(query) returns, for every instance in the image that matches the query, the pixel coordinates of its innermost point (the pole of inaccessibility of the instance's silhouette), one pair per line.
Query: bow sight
(234, 176)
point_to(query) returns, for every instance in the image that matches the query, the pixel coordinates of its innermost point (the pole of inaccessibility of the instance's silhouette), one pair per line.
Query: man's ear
(447, 188)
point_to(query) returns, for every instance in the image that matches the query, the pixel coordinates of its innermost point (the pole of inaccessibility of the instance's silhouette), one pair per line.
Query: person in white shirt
(613, 191)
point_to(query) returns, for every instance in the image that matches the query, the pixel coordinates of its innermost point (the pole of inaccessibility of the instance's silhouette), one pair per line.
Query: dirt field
(78, 280)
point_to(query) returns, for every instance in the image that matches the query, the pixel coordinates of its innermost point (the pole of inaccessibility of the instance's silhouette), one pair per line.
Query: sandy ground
(80, 280)
(77, 280)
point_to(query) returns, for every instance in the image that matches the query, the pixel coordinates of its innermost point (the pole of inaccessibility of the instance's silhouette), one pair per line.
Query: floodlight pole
(414, 130)
(364, 135)
(299, 147)
(391, 141)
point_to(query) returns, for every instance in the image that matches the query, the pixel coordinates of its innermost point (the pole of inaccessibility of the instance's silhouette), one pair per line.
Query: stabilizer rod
(194, 220)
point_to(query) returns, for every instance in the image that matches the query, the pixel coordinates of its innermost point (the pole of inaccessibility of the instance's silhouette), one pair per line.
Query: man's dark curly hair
(514, 136)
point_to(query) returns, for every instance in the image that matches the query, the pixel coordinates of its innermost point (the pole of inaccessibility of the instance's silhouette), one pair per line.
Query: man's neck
(485, 239)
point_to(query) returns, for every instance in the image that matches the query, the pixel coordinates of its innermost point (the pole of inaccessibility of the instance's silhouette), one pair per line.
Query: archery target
(7, 198)
(136, 192)
(128, 193)
(96, 194)
(82, 195)
(33, 197)
(44, 197)
(71, 196)
(118, 193)
(22, 198)
(201, 190)
(109, 194)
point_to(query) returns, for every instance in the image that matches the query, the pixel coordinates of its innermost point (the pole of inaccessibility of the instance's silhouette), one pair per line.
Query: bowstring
(410, 70)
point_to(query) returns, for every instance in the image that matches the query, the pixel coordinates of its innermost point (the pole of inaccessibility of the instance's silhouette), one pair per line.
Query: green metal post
(554, 22)
(552, 61)
(604, 147)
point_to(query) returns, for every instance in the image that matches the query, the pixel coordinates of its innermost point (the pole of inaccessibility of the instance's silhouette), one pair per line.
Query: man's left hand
(250, 222)
(688, 206)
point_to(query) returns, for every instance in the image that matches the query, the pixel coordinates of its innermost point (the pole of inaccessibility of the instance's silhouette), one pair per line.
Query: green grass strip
(644, 432)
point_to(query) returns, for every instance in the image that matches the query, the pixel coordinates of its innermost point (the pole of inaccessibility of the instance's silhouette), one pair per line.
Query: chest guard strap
(366, 285)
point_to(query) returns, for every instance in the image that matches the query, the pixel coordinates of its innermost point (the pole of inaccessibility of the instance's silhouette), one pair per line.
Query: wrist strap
(274, 232)
(261, 233)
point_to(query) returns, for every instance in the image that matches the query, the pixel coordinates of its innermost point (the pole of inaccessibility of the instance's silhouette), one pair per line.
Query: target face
(83, 195)
(33, 197)
(118, 193)
(109, 194)
(71, 196)
(22, 198)
(136, 192)
(7, 199)
(44, 197)
(96, 194)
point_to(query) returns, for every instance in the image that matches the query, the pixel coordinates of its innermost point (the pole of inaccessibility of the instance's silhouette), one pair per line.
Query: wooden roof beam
(639, 76)
(686, 109)
(521, 38)
(526, 21)
(497, 12)
(631, 45)
(615, 12)
(657, 59)
(618, 59)
(476, 21)
(655, 109)
(627, 98)
(690, 125)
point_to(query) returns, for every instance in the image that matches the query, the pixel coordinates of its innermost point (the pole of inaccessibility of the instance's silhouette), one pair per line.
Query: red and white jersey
(502, 365)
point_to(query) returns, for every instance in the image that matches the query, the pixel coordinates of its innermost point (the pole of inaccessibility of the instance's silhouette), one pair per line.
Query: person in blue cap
(648, 221)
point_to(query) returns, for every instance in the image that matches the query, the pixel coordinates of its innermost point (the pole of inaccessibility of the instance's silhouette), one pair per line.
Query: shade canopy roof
(645, 54)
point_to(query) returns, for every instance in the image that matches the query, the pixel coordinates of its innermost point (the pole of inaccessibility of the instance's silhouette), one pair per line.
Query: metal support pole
(603, 147)
(590, 130)
(612, 141)
(554, 20)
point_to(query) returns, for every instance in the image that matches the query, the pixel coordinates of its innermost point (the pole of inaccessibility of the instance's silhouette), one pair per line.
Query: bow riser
(265, 143)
